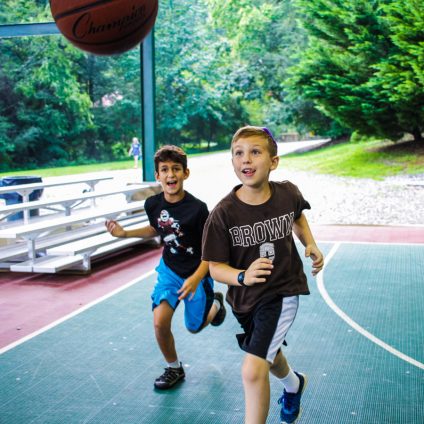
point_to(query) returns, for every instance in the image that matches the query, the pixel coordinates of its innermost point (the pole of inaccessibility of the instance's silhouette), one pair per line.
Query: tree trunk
(418, 137)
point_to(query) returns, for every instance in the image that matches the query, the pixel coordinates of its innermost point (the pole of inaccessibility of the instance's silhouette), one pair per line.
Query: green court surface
(99, 365)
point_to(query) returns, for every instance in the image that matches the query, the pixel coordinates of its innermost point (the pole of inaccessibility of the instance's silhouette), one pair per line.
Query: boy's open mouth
(248, 171)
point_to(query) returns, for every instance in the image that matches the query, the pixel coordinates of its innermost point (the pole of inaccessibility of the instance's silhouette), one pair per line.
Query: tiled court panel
(99, 366)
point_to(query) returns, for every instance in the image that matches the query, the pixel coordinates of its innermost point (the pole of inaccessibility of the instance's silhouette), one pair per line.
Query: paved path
(211, 177)
(334, 200)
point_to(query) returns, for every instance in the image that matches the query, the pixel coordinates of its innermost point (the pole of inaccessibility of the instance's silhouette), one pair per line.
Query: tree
(402, 76)
(44, 110)
(193, 103)
(349, 67)
(263, 40)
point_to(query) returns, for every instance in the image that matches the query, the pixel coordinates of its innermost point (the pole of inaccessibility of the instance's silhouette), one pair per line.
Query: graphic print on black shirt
(172, 230)
(180, 226)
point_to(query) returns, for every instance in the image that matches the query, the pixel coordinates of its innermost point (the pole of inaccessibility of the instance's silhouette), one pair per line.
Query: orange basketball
(104, 27)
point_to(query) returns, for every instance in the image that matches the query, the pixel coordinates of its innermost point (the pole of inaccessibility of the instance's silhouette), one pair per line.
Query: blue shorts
(195, 310)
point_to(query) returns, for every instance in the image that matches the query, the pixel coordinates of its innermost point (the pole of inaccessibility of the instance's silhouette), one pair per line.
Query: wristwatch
(240, 279)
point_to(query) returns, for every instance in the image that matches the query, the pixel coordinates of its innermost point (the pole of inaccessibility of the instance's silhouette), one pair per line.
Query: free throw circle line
(351, 322)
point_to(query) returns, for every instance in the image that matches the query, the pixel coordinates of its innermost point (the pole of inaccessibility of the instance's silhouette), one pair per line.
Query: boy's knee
(161, 328)
(254, 370)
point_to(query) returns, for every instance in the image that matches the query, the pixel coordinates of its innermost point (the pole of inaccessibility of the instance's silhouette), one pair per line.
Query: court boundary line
(354, 324)
(75, 313)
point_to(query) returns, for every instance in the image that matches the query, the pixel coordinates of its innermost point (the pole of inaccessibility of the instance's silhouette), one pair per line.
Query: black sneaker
(220, 316)
(170, 377)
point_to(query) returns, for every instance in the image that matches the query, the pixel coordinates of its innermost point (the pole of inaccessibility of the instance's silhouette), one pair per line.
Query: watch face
(240, 277)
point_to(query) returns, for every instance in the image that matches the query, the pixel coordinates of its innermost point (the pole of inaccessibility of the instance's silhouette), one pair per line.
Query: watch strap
(240, 279)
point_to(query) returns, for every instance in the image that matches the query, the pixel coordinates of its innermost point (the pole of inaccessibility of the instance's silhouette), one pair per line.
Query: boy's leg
(162, 318)
(164, 303)
(280, 368)
(294, 385)
(265, 330)
(255, 374)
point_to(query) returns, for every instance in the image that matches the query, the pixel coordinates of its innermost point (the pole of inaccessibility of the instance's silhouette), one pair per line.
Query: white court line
(351, 322)
(76, 312)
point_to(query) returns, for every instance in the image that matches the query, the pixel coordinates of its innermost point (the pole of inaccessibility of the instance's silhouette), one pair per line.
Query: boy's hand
(257, 271)
(114, 228)
(188, 288)
(312, 251)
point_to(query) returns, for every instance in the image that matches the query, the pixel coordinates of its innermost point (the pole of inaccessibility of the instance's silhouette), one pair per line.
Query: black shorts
(266, 326)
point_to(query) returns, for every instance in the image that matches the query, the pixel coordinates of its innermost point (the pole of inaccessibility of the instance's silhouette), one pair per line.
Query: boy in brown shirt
(249, 244)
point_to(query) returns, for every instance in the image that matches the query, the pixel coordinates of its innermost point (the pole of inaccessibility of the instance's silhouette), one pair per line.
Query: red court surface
(30, 302)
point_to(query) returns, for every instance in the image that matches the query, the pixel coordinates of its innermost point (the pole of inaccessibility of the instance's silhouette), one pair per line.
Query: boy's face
(252, 161)
(171, 176)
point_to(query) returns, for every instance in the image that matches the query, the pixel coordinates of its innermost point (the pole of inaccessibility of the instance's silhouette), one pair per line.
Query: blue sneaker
(290, 402)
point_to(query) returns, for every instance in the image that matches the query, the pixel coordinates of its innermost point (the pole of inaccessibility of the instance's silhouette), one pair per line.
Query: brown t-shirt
(238, 233)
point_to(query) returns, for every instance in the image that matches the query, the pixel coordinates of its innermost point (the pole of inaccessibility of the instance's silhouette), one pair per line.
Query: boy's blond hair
(250, 131)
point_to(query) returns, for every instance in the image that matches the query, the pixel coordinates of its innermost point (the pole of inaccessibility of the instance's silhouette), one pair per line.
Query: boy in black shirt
(178, 217)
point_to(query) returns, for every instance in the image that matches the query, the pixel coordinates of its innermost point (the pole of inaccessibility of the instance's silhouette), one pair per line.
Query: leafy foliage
(322, 67)
(358, 67)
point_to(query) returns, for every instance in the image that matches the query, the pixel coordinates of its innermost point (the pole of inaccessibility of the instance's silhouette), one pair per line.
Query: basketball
(104, 27)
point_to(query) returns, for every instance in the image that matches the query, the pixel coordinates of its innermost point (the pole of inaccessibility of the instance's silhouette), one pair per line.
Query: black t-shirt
(238, 233)
(180, 226)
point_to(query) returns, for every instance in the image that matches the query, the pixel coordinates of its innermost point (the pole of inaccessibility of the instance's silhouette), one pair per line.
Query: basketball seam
(81, 9)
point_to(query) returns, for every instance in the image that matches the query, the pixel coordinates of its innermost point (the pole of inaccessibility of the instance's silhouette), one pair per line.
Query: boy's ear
(186, 173)
(274, 162)
(157, 176)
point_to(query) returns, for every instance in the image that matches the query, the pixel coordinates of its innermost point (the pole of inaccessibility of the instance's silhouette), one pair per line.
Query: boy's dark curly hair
(170, 153)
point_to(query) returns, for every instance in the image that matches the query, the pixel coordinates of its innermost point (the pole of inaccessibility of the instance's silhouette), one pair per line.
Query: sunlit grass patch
(373, 159)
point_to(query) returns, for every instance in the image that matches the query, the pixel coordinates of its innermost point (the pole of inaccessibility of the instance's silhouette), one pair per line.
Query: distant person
(178, 217)
(248, 241)
(135, 151)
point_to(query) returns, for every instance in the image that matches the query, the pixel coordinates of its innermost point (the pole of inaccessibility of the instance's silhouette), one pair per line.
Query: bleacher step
(47, 264)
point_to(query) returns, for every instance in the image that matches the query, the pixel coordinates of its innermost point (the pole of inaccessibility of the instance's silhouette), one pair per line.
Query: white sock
(217, 304)
(291, 382)
(175, 364)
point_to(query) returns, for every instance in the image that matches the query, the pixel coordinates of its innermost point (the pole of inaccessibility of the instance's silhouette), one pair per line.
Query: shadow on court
(99, 366)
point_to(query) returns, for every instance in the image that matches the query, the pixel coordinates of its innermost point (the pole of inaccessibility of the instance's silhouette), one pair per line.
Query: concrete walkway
(211, 175)
(334, 200)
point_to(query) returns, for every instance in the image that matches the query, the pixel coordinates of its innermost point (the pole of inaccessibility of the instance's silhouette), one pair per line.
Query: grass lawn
(72, 170)
(372, 159)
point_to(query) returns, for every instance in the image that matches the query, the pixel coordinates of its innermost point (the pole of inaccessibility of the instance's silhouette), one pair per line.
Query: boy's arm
(304, 234)
(255, 274)
(191, 283)
(116, 230)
